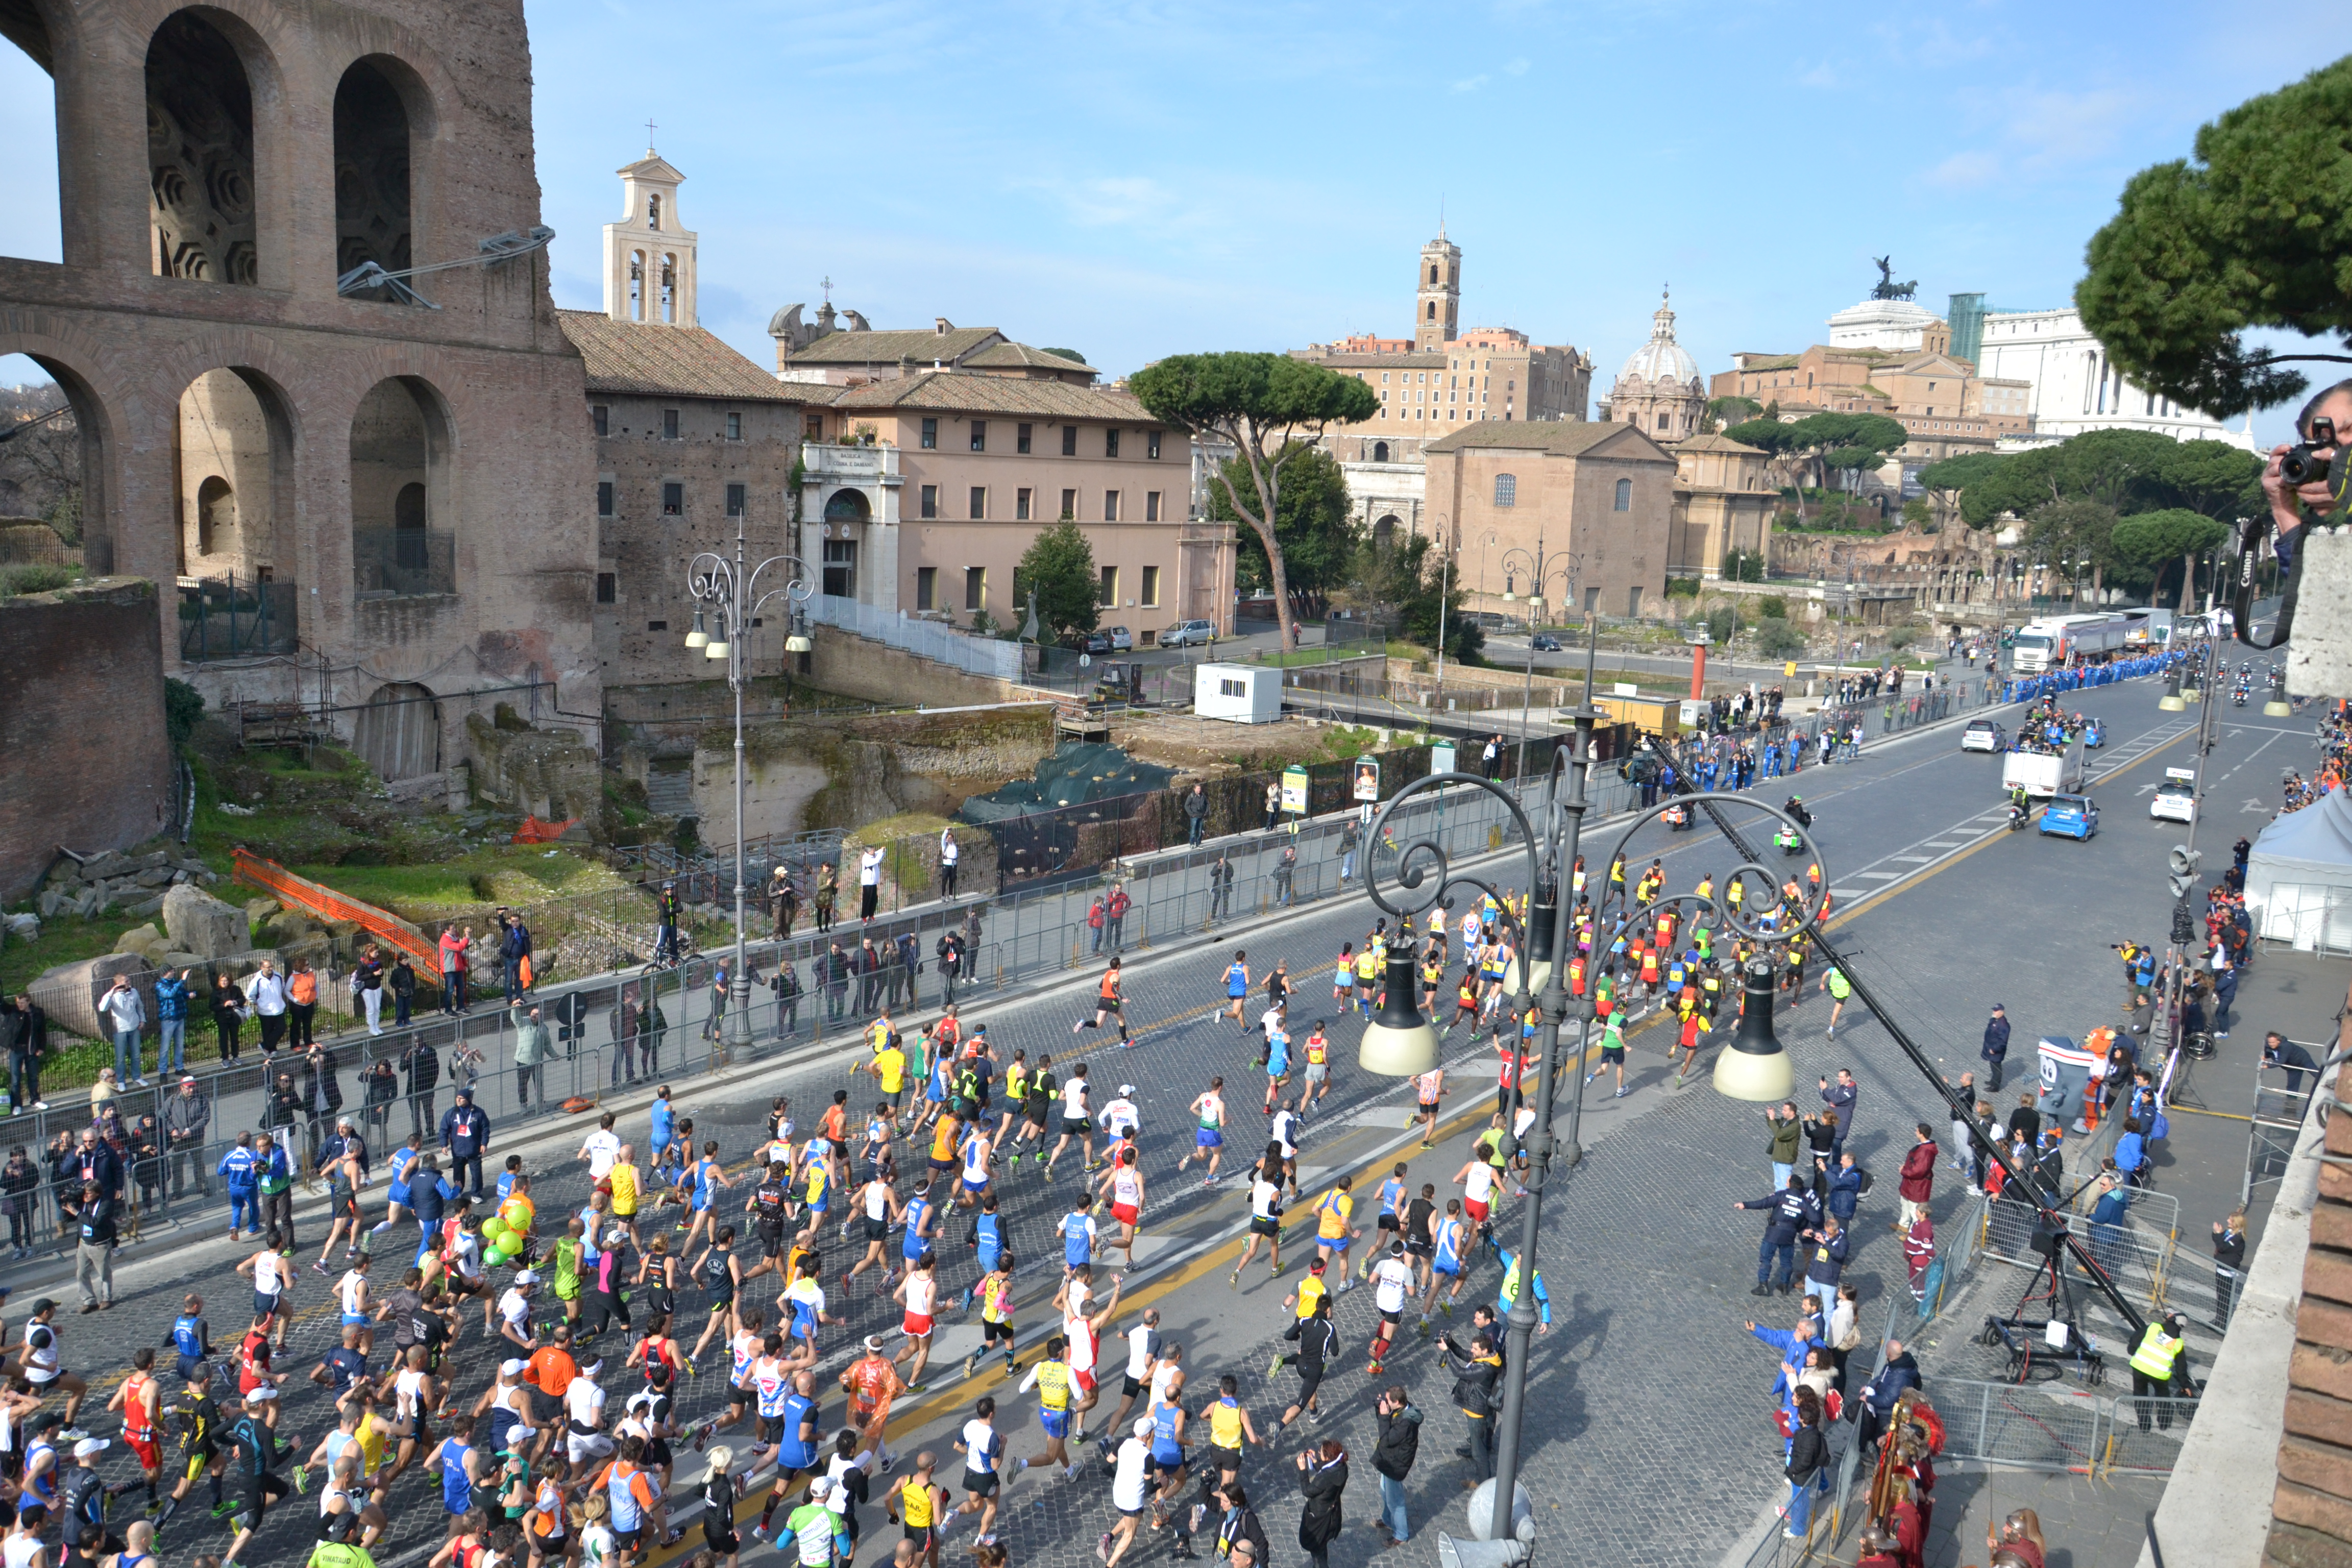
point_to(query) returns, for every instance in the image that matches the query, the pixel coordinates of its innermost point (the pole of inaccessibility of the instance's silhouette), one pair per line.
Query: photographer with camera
(1476, 1370)
(2310, 475)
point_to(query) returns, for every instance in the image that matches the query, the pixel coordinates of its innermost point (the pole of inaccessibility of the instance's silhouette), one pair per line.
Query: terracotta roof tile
(682, 361)
(959, 392)
(888, 347)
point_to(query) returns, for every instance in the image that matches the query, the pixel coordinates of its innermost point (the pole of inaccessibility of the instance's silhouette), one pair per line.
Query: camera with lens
(2306, 464)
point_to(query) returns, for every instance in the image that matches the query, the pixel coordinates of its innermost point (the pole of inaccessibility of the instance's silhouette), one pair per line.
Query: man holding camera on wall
(2311, 476)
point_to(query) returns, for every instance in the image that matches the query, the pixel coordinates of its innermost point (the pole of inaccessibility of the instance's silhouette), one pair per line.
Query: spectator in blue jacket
(171, 993)
(2131, 1151)
(1793, 1211)
(1995, 1050)
(466, 1135)
(1792, 1344)
(1508, 1290)
(1845, 1189)
(514, 946)
(1879, 1394)
(238, 1169)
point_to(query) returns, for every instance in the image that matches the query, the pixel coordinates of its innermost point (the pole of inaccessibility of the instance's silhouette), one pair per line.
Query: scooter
(1787, 841)
(2018, 816)
(2238, 696)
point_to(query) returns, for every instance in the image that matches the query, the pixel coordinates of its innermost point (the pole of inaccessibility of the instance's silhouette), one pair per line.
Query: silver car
(1188, 634)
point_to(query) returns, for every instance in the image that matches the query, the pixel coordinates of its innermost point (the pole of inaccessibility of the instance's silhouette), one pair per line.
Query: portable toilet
(1244, 694)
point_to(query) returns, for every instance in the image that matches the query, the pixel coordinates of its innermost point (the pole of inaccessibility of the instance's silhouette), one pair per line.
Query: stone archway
(399, 731)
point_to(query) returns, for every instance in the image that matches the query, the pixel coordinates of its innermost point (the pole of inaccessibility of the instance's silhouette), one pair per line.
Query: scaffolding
(2282, 1101)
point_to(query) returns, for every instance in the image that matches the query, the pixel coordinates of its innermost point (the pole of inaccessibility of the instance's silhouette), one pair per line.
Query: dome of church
(1661, 358)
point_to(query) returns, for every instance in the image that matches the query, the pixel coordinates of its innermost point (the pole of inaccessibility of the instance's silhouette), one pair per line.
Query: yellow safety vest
(2156, 1356)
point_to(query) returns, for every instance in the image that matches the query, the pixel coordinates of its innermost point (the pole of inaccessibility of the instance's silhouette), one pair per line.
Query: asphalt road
(1648, 1427)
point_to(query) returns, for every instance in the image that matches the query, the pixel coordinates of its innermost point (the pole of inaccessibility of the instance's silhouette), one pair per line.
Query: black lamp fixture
(1755, 1065)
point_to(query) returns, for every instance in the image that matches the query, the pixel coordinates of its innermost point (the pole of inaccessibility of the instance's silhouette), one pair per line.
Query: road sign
(1294, 791)
(1441, 757)
(1367, 779)
(1788, 671)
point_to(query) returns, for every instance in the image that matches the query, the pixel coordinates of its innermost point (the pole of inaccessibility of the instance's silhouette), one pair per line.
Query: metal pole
(2184, 930)
(737, 1032)
(1521, 1323)
(1445, 565)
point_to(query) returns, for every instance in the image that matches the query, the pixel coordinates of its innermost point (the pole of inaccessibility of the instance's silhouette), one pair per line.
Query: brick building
(398, 481)
(693, 441)
(1442, 378)
(1599, 497)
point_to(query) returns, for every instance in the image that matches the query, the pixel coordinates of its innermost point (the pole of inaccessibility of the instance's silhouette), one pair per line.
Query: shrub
(1902, 637)
(1777, 638)
(34, 577)
(1775, 608)
(182, 705)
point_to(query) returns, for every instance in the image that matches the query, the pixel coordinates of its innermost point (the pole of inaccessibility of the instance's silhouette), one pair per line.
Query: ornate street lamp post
(730, 593)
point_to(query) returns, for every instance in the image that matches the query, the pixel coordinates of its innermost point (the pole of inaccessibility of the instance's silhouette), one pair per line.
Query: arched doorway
(843, 512)
(1380, 451)
(401, 544)
(1384, 532)
(399, 731)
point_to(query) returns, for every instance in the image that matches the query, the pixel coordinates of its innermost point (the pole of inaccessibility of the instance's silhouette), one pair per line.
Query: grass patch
(496, 874)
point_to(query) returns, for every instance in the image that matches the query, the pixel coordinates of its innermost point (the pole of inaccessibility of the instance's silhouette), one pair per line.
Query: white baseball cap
(820, 1485)
(1142, 1428)
(528, 1277)
(89, 1446)
(1126, 1089)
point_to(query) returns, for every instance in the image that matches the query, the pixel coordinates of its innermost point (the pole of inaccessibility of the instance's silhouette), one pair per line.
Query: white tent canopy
(2299, 877)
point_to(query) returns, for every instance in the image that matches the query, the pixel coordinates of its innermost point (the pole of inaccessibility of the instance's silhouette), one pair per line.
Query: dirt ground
(1210, 746)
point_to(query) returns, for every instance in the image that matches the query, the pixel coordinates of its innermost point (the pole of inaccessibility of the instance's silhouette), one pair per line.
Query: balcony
(235, 617)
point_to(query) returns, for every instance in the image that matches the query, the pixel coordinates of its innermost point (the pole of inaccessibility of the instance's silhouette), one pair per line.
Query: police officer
(1793, 1211)
(2160, 1364)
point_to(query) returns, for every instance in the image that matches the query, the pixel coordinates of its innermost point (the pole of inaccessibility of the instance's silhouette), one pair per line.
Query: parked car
(1983, 735)
(1188, 634)
(1546, 643)
(1095, 642)
(1121, 640)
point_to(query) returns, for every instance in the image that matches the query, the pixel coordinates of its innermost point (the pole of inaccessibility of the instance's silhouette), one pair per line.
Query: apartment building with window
(946, 476)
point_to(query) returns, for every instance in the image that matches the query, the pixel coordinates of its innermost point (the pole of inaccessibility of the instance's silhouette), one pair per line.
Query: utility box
(1244, 694)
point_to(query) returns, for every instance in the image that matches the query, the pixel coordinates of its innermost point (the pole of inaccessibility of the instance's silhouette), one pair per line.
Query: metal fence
(229, 618)
(2138, 1253)
(926, 640)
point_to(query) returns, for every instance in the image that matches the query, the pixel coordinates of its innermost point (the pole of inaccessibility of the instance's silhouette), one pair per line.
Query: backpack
(1868, 1181)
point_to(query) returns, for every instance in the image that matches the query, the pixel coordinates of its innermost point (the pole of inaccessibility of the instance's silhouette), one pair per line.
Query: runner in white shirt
(514, 1312)
(1283, 1130)
(1142, 1357)
(1120, 1121)
(1124, 1187)
(601, 1148)
(584, 1439)
(1084, 1331)
(1392, 1284)
(1209, 1138)
(1077, 1123)
(1129, 1492)
(1265, 1224)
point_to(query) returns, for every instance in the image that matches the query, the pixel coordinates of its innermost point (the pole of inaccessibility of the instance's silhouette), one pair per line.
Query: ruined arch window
(1624, 501)
(400, 493)
(372, 171)
(1507, 490)
(201, 184)
(215, 514)
(1380, 451)
(36, 228)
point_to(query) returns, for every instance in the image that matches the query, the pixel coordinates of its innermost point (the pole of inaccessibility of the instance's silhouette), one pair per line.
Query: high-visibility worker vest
(2156, 1356)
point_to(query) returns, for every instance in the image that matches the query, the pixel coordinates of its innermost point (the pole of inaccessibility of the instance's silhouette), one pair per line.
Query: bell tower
(1437, 294)
(649, 254)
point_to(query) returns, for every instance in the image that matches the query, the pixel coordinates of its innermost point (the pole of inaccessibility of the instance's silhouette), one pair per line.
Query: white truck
(2052, 644)
(2044, 773)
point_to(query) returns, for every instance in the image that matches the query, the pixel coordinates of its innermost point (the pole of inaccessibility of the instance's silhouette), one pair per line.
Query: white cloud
(1517, 67)
(1472, 84)
(1821, 75)
(1964, 171)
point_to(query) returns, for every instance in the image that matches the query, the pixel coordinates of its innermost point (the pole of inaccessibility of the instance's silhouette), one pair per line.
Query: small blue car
(2071, 815)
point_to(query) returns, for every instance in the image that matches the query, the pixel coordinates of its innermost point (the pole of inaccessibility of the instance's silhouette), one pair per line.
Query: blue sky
(1136, 179)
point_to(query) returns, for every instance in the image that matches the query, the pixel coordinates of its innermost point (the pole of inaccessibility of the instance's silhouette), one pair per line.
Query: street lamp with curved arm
(1401, 1042)
(728, 591)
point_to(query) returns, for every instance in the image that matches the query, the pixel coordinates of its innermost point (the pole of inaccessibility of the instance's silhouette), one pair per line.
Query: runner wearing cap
(343, 1161)
(85, 1496)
